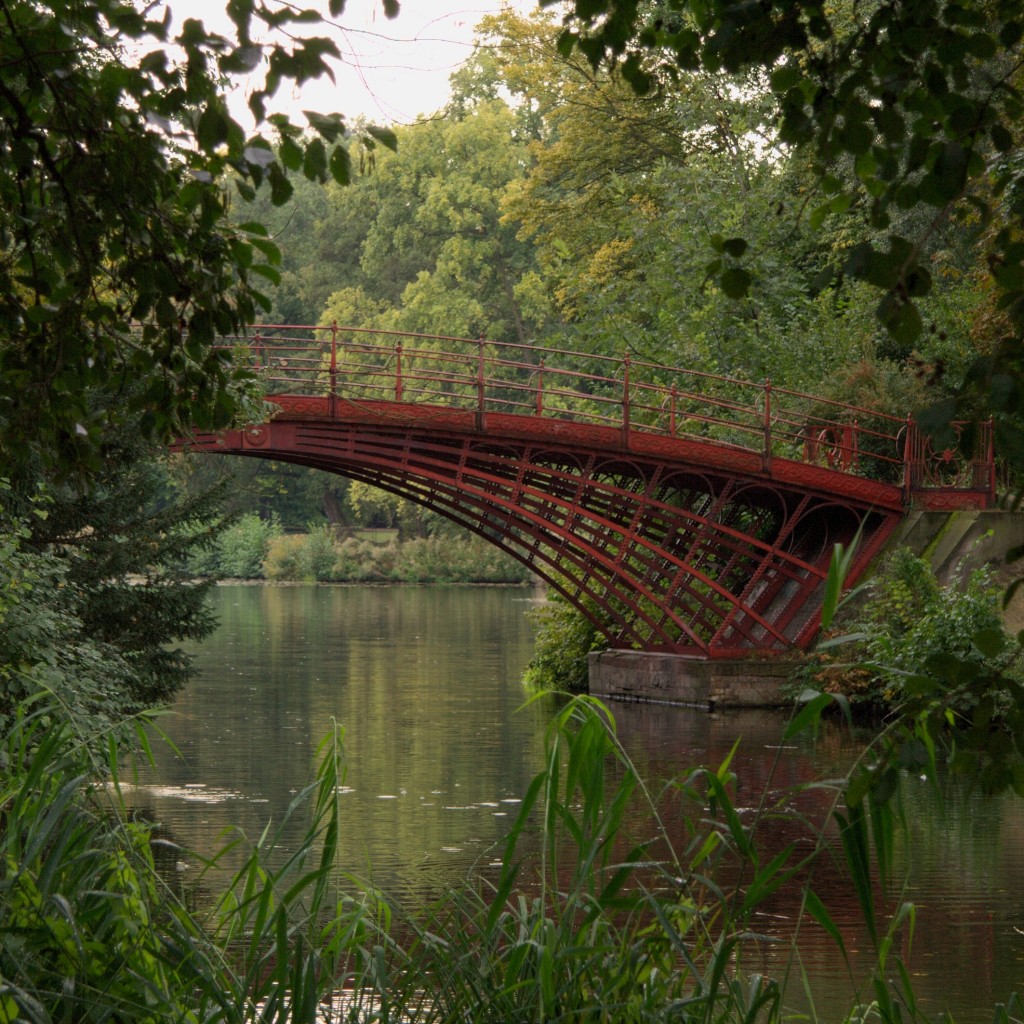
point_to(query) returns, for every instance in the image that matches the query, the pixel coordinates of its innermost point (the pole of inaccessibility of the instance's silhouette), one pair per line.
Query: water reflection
(426, 683)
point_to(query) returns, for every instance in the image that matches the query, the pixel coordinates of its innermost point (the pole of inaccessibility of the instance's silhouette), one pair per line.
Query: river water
(426, 683)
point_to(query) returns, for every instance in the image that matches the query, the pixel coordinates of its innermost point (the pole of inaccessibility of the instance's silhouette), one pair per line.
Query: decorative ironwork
(679, 510)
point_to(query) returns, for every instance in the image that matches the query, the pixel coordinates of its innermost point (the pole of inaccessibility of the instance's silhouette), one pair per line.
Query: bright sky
(391, 71)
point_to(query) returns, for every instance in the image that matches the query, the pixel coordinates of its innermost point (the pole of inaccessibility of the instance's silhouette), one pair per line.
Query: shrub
(914, 622)
(285, 558)
(361, 561)
(910, 623)
(243, 547)
(457, 559)
(318, 555)
(564, 639)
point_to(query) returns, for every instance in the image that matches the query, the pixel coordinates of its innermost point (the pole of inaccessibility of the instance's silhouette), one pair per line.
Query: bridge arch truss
(662, 551)
(677, 510)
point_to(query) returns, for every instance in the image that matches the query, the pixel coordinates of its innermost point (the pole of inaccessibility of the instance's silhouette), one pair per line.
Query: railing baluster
(540, 389)
(766, 457)
(990, 459)
(398, 371)
(625, 401)
(332, 398)
(908, 455)
(672, 412)
(480, 417)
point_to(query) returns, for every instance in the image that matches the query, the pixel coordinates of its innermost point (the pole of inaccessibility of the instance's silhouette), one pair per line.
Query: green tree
(437, 256)
(680, 236)
(44, 645)
(125, 550)
(293, 495)
(907, 115)
(118, 163)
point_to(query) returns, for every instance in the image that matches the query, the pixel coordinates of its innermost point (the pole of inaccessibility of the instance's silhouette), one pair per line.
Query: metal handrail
(634, 396)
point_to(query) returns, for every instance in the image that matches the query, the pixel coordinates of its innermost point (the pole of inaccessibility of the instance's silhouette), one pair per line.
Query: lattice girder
(665, 548)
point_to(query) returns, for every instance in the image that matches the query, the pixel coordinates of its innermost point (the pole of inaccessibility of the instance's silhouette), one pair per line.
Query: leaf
(384, 135)
(785, 78)
(314, 164)
(212, 129)
(809, 715)
(820, 914)
(735, 247)
(330, 126)
(260, 155)
(735, 282)
(732, 819)
(902, 320)
(280, 187)
(242, 60)
(990, 642)
(341, 165)
(853, 832)
(838, 570)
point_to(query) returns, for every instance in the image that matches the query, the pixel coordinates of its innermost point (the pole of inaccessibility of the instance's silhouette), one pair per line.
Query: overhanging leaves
(114, 208)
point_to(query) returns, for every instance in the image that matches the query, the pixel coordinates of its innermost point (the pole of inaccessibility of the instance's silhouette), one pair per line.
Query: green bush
(243, 547)
(319, 556)
(914, 623)
(448, 558)
(362, 561)
(908, 623)
(285, 559)
(564, 639)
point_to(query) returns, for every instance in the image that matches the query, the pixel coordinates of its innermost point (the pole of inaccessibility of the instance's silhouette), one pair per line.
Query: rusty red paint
(681, 511)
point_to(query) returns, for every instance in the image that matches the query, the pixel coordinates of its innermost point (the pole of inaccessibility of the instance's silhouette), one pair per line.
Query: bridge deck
(679, 511)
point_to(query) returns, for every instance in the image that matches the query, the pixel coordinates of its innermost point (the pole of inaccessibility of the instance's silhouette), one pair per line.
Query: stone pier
(700, 682)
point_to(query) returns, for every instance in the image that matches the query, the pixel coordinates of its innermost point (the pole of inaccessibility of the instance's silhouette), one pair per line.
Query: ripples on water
(426, 683)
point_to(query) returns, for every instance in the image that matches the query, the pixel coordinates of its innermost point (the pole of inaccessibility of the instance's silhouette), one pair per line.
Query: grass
(594, 925)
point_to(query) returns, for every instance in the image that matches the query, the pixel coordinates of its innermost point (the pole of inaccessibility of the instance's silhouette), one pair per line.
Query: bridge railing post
(909, 447)
(625, 401)
(672, 410)
(332, 397)
(990, 460)
(540, 389)
(398, 371)
(480, 414)
(766, 455)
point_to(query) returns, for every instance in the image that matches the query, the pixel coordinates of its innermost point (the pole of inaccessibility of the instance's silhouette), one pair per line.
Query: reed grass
(583, 922)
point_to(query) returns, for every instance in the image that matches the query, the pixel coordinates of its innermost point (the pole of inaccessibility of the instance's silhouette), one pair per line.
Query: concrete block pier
(700, 682)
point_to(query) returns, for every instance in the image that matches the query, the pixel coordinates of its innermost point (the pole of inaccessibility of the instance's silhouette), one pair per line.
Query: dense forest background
(550, 204)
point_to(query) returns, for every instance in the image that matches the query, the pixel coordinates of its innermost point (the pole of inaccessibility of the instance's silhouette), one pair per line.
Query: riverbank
(256, 549)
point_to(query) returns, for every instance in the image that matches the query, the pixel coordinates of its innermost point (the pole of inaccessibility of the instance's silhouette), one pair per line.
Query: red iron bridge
(679, 511)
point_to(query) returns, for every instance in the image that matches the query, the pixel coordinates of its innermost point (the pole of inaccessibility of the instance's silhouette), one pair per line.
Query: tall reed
(601, 910)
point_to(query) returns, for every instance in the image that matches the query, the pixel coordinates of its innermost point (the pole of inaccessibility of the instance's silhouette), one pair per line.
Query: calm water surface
(426, 683)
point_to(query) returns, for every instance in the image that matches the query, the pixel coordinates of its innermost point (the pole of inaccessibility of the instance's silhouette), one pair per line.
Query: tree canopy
(119, 161)
(908, 113)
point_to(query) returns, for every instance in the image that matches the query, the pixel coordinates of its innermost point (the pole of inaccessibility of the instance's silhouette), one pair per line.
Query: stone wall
(675, 679)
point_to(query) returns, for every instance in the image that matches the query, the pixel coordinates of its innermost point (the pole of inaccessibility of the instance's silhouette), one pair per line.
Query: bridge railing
(630, 395)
